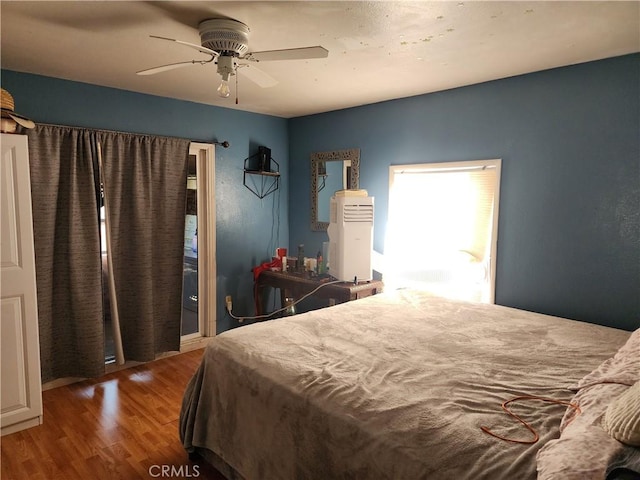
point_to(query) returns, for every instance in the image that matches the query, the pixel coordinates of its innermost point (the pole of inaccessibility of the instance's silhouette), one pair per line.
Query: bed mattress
(394, 386)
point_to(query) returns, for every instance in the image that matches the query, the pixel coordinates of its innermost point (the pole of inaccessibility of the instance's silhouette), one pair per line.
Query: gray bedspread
(394, 386)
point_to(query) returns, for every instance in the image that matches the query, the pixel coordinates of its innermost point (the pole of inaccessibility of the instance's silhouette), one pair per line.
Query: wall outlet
(227, 300)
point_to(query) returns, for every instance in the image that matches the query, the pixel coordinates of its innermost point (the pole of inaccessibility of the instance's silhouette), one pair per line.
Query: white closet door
(21, 392)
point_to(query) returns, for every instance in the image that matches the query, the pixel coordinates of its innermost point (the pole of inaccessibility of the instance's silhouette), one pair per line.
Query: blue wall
(569, 228)
(248, 229)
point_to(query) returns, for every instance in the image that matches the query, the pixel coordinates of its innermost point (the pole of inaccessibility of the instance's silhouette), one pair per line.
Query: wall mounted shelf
(261, 182)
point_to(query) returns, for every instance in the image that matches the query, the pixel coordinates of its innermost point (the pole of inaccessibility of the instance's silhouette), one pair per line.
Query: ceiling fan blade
(171, 66)
(288, 54)
(257, 76)
(200, 48)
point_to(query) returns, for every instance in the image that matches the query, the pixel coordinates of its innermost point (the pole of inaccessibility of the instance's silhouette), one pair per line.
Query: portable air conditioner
(351, 236)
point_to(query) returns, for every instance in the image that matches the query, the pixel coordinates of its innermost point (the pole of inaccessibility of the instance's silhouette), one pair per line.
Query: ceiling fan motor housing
(225, 35)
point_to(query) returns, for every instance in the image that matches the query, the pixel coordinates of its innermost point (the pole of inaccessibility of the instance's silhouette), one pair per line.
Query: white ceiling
(377, 50)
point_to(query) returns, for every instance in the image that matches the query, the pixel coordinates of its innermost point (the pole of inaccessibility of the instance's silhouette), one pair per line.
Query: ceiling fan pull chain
(236, 85)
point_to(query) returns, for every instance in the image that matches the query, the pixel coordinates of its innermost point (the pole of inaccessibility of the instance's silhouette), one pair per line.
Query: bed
(398, 386)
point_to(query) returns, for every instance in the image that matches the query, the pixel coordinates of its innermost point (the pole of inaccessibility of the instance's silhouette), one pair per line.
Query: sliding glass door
(199, 270)
(190, 324)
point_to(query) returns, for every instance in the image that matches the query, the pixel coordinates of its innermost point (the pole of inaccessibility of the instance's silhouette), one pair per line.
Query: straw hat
(7, 104)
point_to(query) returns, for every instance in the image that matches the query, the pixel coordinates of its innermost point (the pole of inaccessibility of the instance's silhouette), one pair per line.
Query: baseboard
(195, 344)
(186, 346)
(61, 382)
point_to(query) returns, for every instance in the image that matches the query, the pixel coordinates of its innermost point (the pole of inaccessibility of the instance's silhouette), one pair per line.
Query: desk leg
(257, 298)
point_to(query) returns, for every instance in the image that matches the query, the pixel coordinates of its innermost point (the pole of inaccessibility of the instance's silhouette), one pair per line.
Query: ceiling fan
(227, 41)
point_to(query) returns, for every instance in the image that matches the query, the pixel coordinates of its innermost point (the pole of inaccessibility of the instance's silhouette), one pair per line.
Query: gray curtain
(145, 181)
(67, 249)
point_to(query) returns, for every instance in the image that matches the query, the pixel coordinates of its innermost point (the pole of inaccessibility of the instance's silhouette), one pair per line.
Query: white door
(21, 392)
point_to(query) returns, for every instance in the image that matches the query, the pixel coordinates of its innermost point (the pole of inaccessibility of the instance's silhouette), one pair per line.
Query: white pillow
(622, 418)
(623, 367)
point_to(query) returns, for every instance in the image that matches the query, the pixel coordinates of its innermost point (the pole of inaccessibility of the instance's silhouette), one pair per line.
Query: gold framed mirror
(331, 171)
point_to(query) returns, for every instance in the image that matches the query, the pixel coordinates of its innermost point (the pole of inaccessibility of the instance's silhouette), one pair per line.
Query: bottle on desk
(301, 257)
(319, 263)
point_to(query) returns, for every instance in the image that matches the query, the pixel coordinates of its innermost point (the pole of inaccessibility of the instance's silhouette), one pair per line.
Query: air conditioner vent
(358, 213)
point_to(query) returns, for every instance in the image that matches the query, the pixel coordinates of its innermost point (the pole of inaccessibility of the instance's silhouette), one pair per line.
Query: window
(442, 228)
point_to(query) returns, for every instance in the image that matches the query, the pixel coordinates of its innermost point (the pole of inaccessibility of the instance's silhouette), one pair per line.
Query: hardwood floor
(121, 426)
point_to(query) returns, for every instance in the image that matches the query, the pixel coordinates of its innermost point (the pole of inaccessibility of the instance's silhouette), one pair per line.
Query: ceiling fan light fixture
(225, 69)
(225, 66)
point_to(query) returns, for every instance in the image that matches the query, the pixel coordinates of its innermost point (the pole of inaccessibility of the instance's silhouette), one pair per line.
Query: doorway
(199, 266)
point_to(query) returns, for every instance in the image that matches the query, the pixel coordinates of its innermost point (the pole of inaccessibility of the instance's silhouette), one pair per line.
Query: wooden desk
(295, 285)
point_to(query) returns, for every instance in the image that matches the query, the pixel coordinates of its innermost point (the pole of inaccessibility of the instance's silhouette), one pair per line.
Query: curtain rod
(102, 130)
(224, 144)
